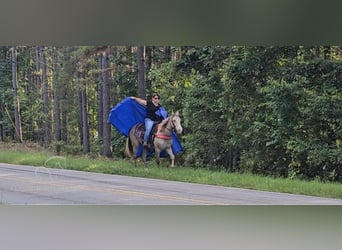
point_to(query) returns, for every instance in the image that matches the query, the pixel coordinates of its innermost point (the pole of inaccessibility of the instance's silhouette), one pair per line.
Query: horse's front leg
(172, 157)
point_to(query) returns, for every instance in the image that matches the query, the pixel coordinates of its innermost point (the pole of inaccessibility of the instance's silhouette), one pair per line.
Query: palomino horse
(162, 139)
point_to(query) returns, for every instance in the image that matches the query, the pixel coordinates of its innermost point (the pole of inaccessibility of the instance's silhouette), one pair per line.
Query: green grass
(35, 156)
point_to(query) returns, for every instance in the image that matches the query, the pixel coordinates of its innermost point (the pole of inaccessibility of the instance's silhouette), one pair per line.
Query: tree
(99, 89)
(106, 104)
(56, 95)
(38, 86)
(17, 118)
(46, 98)
(84, 120)
(141, 71)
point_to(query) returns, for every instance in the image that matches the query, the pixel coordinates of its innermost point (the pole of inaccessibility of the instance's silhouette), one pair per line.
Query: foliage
(204, 121)
(273, 110)
(282, 112)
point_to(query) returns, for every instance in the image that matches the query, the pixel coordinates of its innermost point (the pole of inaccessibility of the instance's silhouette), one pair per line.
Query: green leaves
(283, 113)
(273, 110)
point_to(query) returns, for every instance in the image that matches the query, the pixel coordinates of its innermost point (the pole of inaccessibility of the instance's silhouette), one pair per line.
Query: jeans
(148, 125)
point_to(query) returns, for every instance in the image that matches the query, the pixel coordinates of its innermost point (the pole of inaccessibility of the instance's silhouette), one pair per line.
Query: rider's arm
(139, 100)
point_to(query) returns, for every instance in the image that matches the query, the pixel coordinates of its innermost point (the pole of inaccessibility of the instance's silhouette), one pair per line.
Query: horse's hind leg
(157, 155)
(144, 156)
(135, 150)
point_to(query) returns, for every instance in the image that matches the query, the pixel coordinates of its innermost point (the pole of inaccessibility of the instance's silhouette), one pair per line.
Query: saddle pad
(140, 130)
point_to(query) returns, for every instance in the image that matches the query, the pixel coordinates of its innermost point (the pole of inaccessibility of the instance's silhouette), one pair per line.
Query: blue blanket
(128, 113)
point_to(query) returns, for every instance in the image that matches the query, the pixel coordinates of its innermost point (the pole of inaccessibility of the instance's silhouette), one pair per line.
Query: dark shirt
(151, 111)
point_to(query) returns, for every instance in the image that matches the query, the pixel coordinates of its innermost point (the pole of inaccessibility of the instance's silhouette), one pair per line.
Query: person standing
(152, 108)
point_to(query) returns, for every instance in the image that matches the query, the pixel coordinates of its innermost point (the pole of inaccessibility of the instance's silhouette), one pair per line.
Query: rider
(152, 108)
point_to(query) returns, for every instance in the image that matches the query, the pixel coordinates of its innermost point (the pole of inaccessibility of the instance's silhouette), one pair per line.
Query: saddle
(140, 131)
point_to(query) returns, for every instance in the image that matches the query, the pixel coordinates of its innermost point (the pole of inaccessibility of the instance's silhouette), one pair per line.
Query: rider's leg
(148, 126)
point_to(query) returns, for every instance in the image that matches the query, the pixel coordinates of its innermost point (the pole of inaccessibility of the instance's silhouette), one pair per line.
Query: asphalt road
(39, 185)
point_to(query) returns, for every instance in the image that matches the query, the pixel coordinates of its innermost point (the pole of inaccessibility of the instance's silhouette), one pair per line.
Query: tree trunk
(80, 107)
(84, 113)
(46, 99)
(17, 120)
(167, 54)
(65, 96)
(56, 87)
(148, 64)
(100, 99)
(106, 106)
(141, 72)
(85, 119)
(40, 137)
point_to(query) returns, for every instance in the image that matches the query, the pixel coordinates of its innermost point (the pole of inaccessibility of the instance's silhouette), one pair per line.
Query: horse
(162, 140)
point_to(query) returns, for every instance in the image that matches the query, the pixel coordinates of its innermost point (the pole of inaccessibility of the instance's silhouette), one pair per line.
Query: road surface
(39, 185)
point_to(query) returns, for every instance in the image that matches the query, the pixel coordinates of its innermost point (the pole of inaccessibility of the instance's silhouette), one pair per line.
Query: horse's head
(176, 123)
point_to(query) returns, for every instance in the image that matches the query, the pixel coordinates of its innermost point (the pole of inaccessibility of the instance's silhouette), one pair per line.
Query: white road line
(4, 175)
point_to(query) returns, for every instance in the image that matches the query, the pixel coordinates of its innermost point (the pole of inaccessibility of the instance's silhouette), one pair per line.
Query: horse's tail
(129, 147)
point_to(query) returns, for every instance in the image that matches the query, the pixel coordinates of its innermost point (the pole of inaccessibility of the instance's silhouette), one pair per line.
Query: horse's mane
(164, 122)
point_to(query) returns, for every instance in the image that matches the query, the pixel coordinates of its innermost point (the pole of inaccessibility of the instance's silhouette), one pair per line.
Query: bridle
(172, 124)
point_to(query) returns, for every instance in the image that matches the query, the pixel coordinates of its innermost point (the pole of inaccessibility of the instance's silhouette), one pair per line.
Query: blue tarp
(127, 113)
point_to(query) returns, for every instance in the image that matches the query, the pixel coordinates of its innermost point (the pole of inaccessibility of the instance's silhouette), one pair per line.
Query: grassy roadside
(11, 153)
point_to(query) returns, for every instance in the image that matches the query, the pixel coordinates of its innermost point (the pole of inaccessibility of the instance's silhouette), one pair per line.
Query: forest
(268, 110)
